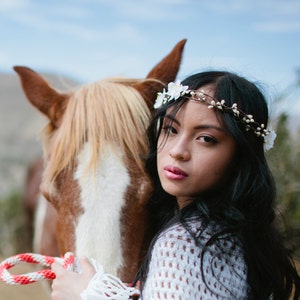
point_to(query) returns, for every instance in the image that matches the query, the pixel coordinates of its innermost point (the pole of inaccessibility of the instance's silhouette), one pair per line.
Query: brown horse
(94, 176)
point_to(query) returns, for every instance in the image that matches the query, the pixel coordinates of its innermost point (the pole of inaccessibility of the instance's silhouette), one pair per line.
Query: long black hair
(246, 206)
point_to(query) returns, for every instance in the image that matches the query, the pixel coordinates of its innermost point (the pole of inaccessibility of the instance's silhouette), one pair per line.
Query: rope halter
(68, 262)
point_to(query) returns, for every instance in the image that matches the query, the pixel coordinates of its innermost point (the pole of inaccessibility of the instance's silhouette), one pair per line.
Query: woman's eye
(170, 129)
(207, 139)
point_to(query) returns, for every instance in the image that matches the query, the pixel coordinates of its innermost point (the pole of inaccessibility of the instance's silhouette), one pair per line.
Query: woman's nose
(180, 152)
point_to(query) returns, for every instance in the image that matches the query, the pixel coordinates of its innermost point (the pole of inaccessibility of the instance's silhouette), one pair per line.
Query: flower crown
(177, 90)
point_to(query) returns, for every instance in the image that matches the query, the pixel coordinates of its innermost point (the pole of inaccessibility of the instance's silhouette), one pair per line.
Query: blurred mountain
(20, 126)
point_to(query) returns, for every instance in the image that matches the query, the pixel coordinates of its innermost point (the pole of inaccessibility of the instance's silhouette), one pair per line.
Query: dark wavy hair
(246, 205)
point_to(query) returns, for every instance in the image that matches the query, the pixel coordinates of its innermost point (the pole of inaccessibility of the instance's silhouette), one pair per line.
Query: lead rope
(104, 286)
(68, 262)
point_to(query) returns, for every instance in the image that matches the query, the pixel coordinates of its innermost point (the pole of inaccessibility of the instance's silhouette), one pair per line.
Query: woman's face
(195, 152)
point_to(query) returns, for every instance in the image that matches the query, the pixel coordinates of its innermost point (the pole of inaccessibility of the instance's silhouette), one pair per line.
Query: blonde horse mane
(109, 112)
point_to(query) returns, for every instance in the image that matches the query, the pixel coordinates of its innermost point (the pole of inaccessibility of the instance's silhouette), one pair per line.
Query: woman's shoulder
(201, 232)
(178, 230)
(189, 251)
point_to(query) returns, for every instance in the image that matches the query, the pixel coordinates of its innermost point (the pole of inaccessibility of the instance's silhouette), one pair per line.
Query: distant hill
(20, 125)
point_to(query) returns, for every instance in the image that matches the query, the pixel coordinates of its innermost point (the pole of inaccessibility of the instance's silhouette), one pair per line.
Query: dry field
(35, 291)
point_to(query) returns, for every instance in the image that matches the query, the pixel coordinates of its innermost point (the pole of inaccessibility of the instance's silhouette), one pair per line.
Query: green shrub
(14, 233)
(284, 161)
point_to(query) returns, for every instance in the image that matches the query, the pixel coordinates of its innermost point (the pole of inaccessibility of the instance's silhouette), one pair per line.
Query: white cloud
(161, 10)
(270, 7)
(124, 31)
(42, 23)
(9, 5)
(69, 11)
(286, 8)
(153, 10)
(3, 58)
(274, 16)
(49, 16)
(69, 20)
(278, 26)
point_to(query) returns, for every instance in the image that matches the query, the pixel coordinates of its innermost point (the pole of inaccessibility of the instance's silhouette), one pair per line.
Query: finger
(86, 266)
(56, 266)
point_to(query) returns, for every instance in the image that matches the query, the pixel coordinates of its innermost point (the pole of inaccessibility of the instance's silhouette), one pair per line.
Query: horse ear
(164, 72)
(41, 95)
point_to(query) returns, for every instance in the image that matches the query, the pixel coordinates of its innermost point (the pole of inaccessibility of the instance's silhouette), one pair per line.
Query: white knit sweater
(178, 272)
(175, 267)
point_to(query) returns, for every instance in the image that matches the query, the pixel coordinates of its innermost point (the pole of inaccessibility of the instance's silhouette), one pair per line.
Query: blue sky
(92, 39)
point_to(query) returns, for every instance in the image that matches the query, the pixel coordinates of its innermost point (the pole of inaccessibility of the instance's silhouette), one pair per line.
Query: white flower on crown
(175, 90)
(160, 99)
(269, 140)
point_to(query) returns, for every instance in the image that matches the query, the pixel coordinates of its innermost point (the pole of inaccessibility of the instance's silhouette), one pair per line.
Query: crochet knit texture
(176, 263)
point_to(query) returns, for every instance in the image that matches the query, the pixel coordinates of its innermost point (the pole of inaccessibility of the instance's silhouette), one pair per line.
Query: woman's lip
(172, 172)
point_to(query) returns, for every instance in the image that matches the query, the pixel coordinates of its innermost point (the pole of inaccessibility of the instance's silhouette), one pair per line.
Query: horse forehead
(106, 174)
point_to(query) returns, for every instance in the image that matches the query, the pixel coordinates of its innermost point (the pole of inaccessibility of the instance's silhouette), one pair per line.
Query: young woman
(212, 209)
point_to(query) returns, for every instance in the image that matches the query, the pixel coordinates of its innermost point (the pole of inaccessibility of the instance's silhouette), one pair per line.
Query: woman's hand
(69, 285)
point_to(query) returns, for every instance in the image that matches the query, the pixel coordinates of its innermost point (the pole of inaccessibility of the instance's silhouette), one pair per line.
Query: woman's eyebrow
(172, 118)
(209, 126)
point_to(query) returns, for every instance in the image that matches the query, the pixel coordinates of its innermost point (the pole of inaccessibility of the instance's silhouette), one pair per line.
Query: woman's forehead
(195, 111)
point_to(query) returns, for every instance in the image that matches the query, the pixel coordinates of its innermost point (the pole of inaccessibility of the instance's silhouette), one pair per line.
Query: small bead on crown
(177, 90)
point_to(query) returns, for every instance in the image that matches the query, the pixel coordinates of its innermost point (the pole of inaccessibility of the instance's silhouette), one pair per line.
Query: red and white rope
(68, 262)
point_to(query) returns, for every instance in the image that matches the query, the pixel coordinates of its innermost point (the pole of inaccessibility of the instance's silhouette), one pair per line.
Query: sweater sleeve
(105, 286)
(179, 271)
